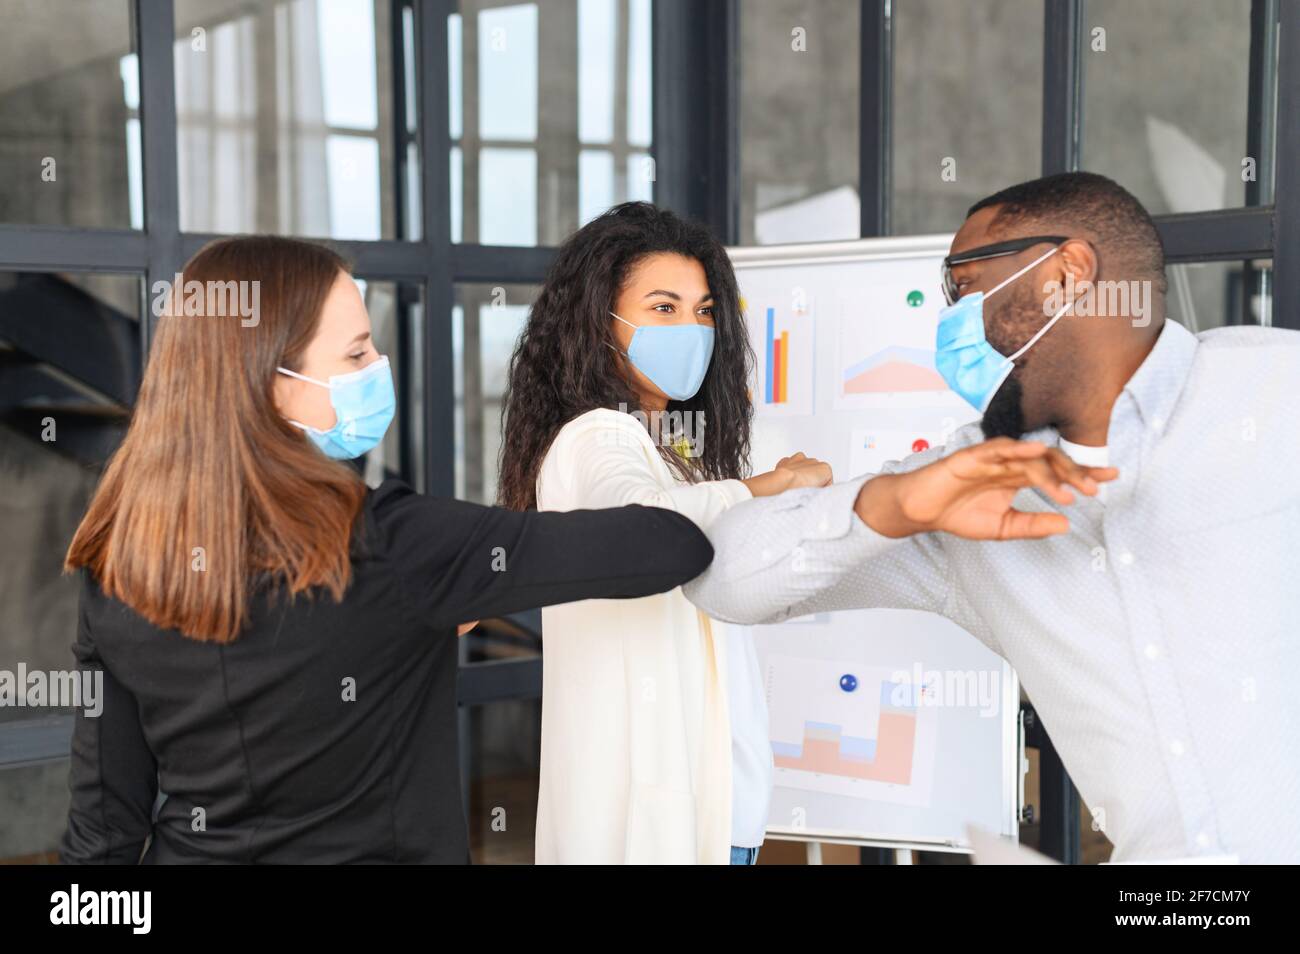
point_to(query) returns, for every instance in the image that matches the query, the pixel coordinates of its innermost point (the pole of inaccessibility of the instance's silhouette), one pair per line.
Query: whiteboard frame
(1013, 743)
(831, 253)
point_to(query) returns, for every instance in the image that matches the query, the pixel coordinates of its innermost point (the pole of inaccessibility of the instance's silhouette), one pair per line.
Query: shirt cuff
(831, 516)
(734, 491)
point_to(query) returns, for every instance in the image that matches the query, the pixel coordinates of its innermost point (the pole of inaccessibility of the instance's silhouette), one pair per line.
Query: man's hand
(969, 493)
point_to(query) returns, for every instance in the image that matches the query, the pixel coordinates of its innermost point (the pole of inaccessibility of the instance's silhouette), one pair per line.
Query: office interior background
(448, 147)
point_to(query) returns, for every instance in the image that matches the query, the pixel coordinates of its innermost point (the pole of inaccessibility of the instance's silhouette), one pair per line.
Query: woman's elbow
(690, 551)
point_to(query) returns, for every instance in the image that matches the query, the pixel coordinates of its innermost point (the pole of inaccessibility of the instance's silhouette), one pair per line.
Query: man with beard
(1154, 625)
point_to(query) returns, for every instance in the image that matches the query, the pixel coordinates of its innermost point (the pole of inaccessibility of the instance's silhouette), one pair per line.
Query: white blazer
(636, 737)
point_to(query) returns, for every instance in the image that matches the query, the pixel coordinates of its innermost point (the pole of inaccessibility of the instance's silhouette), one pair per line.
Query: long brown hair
(211, 486)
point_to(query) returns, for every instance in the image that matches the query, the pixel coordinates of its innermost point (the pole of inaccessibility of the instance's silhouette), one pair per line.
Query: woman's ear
(283, 393)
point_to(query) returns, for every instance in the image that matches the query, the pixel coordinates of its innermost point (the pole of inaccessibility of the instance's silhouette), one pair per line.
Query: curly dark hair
(562, 367)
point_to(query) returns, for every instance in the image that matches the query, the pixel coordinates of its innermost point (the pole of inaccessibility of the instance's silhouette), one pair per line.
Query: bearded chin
(1005, 417)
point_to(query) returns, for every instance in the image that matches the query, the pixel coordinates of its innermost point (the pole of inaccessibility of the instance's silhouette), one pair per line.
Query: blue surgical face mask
(962, 354)
(363, 403)
(674, 357)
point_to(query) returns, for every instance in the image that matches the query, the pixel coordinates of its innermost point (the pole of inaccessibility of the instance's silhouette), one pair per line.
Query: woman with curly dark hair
(630, 384)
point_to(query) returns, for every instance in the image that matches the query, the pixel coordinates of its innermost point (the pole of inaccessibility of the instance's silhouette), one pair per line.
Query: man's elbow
(723, 602)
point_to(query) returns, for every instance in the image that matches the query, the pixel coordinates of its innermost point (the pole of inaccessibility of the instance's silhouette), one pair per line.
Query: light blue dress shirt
(1159, 639)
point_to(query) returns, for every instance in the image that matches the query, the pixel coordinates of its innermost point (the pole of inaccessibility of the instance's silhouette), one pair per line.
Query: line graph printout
(885, 347)
(845, 728)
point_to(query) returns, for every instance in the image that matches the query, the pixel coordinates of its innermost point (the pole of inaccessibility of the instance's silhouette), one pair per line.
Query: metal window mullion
(695, 115)
(1286, 189)
(500, 263)
(435, 145)
(155, 38)
(723, 117)
(1260, 135)
(1062, 81)
(875, 111)
(39, 248)
(401, 137)
(1220, 235)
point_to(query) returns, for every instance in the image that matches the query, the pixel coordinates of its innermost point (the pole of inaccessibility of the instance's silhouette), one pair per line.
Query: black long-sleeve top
(326, 732)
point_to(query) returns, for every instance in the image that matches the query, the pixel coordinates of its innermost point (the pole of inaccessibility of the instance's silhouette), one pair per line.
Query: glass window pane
(397, 323)
(527, 91)
(505, 748)
(640, 177)
(1206, 295)
(69, 369)
(799, 121)
(33, 812)
(69, 116)
(639, 70)
(457, 179)
(596, 25)
(596, 183)
(285, 121)
(1165, 93)
(507, 73)
(501, 220)
(968, 100)
(486, 322)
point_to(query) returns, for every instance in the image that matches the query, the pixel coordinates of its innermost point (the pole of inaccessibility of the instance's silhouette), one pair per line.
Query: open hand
(969, 493)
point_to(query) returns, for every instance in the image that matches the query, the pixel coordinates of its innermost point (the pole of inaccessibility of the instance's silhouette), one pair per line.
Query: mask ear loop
(1007, 281)
(1055, 318)
(630, 325)
(1042, 331)
(302, 377)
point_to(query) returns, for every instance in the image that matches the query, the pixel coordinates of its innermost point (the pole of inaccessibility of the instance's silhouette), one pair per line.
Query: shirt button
(1176, 747)
(1152, 650)
(1126, 558)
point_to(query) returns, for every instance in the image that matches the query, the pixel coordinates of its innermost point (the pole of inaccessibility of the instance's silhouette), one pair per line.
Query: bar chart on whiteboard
(784, 345)
(845, 728)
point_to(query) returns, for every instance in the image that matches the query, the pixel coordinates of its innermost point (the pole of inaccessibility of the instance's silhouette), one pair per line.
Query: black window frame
(695, 147)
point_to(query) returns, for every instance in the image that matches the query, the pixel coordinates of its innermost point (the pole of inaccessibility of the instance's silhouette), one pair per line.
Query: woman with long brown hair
(276, 640)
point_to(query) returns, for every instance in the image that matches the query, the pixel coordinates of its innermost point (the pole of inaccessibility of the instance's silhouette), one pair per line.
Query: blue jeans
(744, 856)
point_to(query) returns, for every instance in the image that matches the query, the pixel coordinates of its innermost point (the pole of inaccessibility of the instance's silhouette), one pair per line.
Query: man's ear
(1079, 259)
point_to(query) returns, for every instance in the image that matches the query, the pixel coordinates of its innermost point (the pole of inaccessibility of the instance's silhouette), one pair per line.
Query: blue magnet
(848, 682)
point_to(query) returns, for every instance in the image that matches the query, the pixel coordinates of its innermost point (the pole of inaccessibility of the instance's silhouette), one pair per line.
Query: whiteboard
(888, 727)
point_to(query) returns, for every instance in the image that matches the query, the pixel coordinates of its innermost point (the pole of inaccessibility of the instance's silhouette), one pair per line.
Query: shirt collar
(1158, 382)
(1155, 386)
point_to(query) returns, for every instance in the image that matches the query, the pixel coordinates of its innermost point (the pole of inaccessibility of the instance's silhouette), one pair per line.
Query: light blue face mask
(674, 357)
(962, 354)
(363, 402)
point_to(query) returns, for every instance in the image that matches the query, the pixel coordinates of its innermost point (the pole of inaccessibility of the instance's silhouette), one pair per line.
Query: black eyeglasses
(996, 250)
